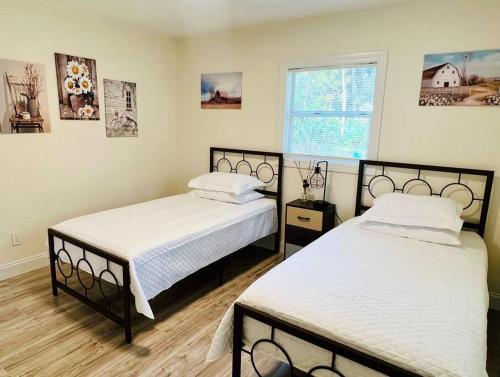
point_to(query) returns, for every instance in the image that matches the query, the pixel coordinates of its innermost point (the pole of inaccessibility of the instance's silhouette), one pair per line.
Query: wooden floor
(45, 336)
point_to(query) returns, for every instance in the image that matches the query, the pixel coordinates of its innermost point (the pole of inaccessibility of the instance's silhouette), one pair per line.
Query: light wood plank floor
(41, 335)
(45, 336)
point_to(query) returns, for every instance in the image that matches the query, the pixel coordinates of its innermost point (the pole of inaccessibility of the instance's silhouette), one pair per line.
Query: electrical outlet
(15, 239)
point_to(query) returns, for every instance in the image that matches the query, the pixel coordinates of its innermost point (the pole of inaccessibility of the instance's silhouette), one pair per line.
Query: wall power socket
(15, 239)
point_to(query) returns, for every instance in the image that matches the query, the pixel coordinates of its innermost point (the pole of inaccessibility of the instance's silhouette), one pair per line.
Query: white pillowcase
(441, 236)
(415, 210)
(227, 197)
(226, 182)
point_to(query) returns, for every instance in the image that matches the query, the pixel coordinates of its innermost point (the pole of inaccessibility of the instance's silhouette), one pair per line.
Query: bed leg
(220, 271)
(128, 333)
(52, 256)
(237, 343)
(127, 319)
(277, 239)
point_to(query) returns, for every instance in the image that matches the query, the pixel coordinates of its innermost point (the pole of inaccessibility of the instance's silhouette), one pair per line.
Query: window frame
(128, 100)
(361, 59)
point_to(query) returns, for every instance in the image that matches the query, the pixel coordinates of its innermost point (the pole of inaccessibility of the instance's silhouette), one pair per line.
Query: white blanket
(417, 305)
(168, 239)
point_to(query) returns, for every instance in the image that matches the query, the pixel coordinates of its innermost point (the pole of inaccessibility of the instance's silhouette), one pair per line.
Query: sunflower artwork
(77, 87)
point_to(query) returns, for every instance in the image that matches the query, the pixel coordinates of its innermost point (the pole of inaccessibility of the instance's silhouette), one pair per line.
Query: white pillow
(226, 182)
(415, 210)
(441, 236)
(227, 197)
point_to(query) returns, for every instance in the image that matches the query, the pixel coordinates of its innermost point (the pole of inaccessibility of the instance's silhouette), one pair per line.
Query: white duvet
(166, 240)
(417, 305)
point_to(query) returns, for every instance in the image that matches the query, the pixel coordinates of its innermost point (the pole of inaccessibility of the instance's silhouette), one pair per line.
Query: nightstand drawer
(304, 218)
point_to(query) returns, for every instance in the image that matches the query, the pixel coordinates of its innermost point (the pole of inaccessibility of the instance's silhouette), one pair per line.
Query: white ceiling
(179, 18)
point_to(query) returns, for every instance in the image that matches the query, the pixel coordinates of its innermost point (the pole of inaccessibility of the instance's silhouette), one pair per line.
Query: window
(333, 111)
(128, 99)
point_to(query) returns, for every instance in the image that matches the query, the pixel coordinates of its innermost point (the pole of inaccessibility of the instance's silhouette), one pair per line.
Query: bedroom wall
(459, 136)
(76, 169)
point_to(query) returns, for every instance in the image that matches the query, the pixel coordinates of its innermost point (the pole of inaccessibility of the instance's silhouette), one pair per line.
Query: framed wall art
(77, 87)
(120, 99)
(24, 107)
(461, 78)
(221, 90)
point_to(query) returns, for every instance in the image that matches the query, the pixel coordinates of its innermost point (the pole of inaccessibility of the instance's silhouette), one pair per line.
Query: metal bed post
(127, 318)
(359, 188)
(486, 202)
(279, 204)
(237, 342)
(52, 256)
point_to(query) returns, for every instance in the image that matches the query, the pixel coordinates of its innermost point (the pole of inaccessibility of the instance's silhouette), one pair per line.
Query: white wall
(76, 169)
(458, 136)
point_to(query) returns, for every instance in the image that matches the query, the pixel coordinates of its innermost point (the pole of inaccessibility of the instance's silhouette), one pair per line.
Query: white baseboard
(495, 301)
(21, 266)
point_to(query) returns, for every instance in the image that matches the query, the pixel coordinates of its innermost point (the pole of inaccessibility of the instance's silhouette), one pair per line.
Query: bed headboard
(267, 166)
(476, 184)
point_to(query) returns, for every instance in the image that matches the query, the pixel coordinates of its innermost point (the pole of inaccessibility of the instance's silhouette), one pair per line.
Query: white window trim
(338, 164)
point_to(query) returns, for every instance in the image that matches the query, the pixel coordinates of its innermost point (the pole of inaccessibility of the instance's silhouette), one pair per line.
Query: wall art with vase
(23, 98)
(77, 87)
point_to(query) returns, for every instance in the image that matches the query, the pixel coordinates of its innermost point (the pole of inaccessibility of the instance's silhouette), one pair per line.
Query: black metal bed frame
(336, 348)
(123, 292)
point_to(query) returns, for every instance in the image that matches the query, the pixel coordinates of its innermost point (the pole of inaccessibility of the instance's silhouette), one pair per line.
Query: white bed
(414, 304)
(166, 240)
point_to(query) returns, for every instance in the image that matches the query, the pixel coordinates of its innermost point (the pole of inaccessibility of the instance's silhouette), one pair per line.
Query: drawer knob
(301, 218)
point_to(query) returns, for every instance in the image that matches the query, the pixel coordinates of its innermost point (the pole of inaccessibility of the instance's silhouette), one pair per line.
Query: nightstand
(306, 221)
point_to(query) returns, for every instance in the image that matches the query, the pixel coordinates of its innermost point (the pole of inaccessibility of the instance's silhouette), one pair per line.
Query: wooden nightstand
(307, 221)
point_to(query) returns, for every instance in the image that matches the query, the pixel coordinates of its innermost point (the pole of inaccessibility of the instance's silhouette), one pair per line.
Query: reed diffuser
(305, 178)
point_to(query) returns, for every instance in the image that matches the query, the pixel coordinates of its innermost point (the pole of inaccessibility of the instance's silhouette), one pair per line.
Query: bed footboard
(93, 276)
(241, 311)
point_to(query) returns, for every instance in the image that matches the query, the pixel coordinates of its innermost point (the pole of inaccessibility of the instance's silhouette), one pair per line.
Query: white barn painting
(442, 76)
(461, 78)
(120, 99)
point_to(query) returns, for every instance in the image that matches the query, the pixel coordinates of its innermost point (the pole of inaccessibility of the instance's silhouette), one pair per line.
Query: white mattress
(168, 239)
(417, 305)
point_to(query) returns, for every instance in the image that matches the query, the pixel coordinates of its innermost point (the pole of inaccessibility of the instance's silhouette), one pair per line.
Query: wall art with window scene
(24, 106)
(77, 87)
(120, 99)
(469, 78)
(329, 111)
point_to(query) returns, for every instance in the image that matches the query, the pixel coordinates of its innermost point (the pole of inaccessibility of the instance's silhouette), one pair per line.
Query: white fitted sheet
(415, 304)
(168, 239)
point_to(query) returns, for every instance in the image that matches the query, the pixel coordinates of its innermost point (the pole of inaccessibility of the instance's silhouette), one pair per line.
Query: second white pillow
(440, 236)
(415, 210)
(227, 197)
